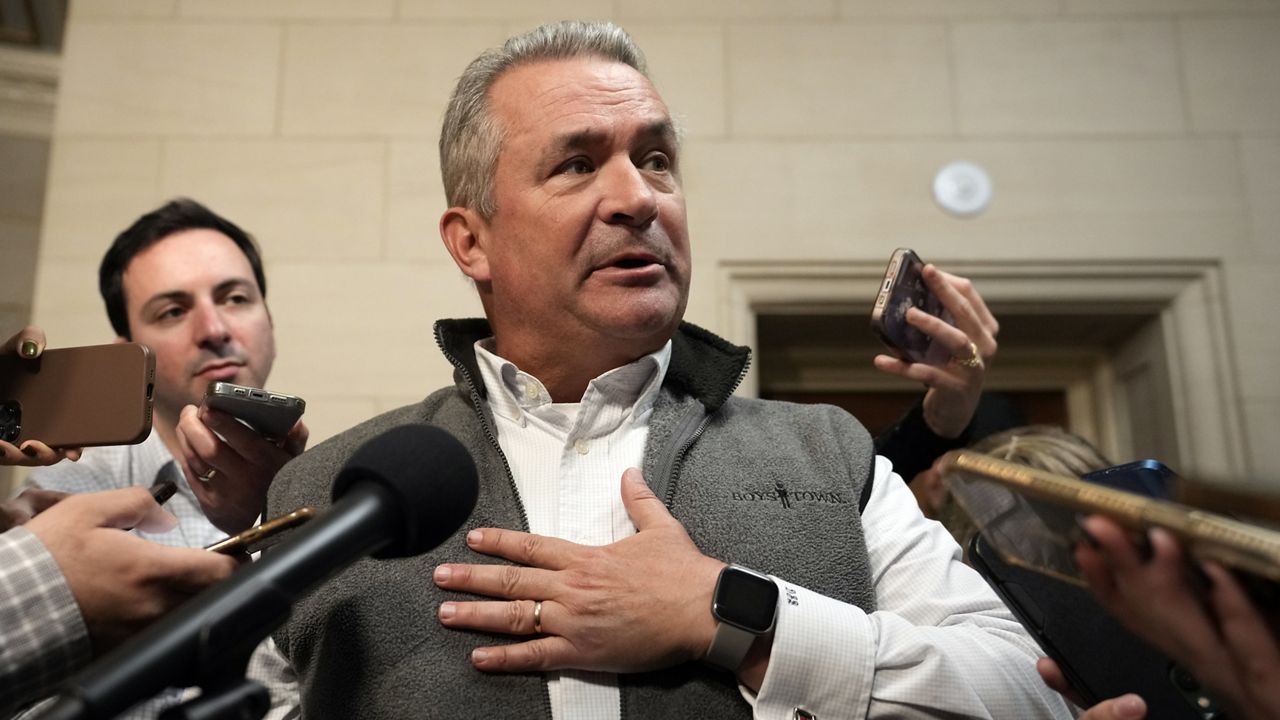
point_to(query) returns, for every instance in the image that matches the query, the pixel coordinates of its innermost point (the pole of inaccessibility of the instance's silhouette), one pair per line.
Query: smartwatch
(745, 604)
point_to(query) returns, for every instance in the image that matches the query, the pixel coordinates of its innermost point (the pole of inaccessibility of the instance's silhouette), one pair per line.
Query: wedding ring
(973, 361)
(211, 474)
(537, 617)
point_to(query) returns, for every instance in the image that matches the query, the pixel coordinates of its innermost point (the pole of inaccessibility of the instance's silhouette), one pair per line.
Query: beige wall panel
(302, 9)
(933, 9)
(67, 304)
(1261, 159)
(651, 10)
(20, 239)
(1250, 289)
(1067, 77)
(757, 200)
(503, 10)
(302, 200)
(687, 65)
(375, 79)
(363, 329)
(1233, 73)
(415, 202)
(1164, 7)
(838, 80)
(168, 78)
(1262, 417)
(96, 189)
(90, 9)
(704, 293)
(25, 164)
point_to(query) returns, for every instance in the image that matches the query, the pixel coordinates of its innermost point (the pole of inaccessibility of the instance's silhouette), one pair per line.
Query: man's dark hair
(175, 216)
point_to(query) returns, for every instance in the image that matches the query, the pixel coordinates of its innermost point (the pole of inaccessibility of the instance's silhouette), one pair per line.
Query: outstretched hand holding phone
(230, 466)
(953, 376)
(29, 344)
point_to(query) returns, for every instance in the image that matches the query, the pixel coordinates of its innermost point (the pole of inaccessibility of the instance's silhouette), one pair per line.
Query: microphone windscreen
(430, 477)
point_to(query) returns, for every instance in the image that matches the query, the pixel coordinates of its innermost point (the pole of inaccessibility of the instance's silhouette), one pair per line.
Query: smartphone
(1099, 657)
(1149, 477)
(903, 288)
(270, 414)
(79, 396)
(260, 537)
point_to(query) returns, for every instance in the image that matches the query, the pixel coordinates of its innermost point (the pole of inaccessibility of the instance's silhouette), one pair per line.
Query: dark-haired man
(190, 284)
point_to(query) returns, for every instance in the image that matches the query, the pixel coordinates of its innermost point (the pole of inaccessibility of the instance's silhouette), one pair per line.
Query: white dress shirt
(939, 632)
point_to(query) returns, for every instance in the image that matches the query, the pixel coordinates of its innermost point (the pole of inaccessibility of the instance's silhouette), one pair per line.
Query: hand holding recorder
(228, 462)
(941, 334)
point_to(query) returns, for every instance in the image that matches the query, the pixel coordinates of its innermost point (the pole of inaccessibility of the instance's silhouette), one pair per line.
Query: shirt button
(531, 391)
(581, 446)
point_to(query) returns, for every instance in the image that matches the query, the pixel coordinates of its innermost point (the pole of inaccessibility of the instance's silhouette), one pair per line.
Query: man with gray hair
(755, 559)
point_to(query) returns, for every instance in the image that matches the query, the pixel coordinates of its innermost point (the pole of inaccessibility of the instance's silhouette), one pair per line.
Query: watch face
(746, 599)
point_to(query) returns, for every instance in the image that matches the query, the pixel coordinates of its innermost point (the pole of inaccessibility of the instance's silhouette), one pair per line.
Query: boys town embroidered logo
(789, 497)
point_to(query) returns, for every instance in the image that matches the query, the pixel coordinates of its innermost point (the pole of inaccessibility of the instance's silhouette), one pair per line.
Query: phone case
(903, 288)
(1098, 656)
(78, 397)
(269, 413)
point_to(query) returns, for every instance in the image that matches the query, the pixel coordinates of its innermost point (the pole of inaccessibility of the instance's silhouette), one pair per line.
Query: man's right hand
(230, 467)
(120, 581)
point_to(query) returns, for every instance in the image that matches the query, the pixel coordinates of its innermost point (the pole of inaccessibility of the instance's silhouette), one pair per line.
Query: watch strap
(729, 646)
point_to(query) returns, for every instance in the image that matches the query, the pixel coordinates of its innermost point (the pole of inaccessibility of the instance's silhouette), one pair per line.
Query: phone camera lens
(10, 420)
(1183, 679)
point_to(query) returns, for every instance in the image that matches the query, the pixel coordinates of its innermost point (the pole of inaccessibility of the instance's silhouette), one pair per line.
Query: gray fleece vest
(770, 485)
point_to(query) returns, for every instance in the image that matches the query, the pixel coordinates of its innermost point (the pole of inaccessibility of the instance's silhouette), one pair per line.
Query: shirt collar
(513, 392)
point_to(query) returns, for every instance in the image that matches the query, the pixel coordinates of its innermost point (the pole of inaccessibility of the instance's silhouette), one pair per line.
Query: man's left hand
(230, 474)
(954, 388)
(638, 604)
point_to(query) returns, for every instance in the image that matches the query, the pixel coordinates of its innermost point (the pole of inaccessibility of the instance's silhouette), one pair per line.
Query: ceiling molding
(28, 91)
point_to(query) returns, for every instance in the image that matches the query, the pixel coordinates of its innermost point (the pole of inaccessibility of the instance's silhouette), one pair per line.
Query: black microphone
(401, 494)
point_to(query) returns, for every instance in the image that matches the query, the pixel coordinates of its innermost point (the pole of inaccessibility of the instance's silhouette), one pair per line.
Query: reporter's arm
(43, 638)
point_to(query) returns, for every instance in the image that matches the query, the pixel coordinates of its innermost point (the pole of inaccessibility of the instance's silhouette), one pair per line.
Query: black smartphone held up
(262, 536)
(1098, 656)
(270, 414)
(1149, 477)
(903, 288)
(79, 396)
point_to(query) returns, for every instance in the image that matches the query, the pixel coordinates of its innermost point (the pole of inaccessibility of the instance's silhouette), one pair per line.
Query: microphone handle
(195, 643)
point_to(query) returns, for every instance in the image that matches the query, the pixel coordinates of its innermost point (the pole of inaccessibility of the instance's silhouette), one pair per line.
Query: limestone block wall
(1127, 130)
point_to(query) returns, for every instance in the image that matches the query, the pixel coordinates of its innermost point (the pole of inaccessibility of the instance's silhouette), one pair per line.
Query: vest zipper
(477, 403)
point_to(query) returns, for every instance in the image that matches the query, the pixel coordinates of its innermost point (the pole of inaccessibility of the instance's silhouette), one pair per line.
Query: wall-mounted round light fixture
(962, 188)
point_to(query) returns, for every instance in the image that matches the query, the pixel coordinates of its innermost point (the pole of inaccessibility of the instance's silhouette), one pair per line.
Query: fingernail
(443, 573)
(479, 655)
(447, 610)
(28, 450)
(474, 537)
(1130, 706)
(29, 349)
